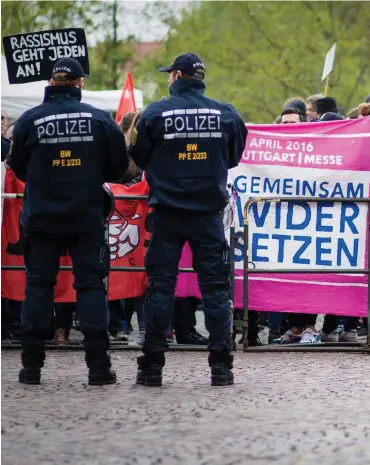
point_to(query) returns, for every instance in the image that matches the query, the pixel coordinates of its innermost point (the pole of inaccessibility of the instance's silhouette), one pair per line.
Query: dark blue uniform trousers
(206, 237)
(90, 257)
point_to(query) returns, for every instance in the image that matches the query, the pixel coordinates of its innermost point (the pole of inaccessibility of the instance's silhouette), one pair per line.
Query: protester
(294, 112)
(326, 105)
(311, 104)
(187, 180)
(302, 325)
(64, 208)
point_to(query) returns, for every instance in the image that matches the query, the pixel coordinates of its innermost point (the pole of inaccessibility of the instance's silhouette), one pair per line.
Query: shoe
(170, 338)
(119, 336)
(151, 375)
(221, 375)
(340, 328)
(100, 378)
(273, 334)
(30, 376)
(139, 342)
(221, 365)
(309, 336)
(191, 337)
(62, 336)
(331, 337)
(150, 367)
(349, 336)
(255, 342)
(288, 338)
(362, 333)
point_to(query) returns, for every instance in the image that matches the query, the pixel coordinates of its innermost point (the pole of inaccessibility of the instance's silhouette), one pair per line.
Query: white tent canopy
(17, 98)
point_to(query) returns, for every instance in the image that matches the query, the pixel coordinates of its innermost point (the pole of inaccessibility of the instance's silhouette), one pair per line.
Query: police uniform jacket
(65, 150)
(186, 144)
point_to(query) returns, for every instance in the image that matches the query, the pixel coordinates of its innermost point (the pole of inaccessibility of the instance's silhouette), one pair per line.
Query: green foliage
(24, 16)
(106, 63)
(258, 54)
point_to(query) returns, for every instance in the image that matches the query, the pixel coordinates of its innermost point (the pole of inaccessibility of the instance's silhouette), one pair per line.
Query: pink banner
(326, 160)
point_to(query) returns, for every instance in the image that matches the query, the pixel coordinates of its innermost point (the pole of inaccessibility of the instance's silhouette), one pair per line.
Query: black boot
(33, 356)
(221, 364)
(98, 359)
(150, 369)
(191, 337)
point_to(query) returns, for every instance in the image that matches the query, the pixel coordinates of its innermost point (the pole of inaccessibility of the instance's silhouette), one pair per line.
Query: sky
(134, 22)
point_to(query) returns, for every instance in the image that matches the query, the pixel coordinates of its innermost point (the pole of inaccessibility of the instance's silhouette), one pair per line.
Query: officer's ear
(179, 75)
(80, 83)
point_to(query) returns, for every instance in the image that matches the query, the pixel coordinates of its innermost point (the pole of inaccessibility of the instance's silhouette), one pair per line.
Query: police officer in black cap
(64, 151)
(186, 144)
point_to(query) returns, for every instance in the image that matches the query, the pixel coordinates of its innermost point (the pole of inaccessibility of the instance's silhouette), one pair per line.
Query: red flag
(127, 101)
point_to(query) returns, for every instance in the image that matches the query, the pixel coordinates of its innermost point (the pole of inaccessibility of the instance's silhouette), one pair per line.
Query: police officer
(186, 144)
(64, 151)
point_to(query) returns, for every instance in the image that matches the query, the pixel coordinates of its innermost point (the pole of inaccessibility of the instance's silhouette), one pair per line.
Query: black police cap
(71, 67)
(188, 63)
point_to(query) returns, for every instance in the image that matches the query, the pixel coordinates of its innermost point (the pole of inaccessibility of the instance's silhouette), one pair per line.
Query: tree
(110, 55)
(25, 16)
(258, 54)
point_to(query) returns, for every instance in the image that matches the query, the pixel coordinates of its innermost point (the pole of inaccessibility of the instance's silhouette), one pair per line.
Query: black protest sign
(31, 57)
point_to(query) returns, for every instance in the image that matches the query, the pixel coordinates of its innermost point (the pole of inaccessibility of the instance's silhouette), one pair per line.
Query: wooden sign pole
(326, 86)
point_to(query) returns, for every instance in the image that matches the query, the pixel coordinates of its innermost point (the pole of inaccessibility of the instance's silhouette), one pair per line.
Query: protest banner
(326, 160)
(30, 57)
(127, 240)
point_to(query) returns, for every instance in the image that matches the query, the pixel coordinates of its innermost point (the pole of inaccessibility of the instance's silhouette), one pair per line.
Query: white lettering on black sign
(30, 57)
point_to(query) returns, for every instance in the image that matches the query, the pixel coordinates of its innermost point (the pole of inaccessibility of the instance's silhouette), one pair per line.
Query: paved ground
(286, 409)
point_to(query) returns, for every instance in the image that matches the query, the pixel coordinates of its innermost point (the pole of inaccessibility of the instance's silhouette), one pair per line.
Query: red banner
(128, 241)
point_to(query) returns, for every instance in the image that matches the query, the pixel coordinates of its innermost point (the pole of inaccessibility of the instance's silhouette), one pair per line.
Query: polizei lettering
(197, 122)
(72, 127)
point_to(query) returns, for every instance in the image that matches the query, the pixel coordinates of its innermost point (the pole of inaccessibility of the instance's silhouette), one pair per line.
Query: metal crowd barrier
(246, 271)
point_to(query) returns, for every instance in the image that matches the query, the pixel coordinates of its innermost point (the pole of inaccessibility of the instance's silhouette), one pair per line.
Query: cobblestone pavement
(285, 409)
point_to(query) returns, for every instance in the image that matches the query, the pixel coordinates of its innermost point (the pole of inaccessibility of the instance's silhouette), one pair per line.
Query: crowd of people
(284, 328)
